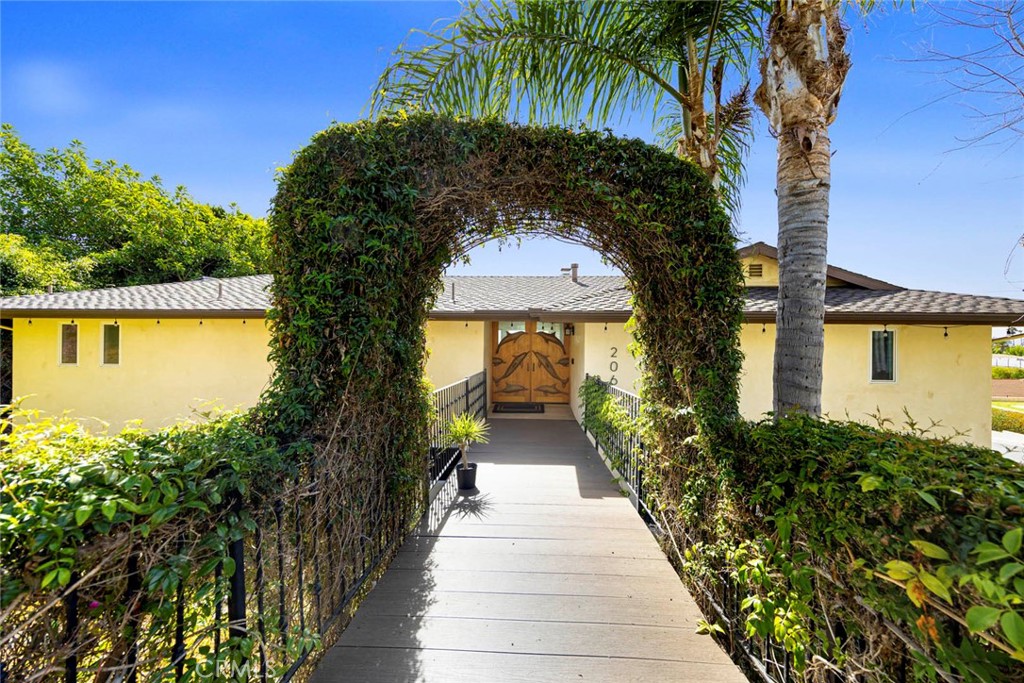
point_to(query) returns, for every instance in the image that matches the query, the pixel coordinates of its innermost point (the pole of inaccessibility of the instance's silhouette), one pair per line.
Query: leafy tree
(25, 269)
(74, 224)
(600, 60)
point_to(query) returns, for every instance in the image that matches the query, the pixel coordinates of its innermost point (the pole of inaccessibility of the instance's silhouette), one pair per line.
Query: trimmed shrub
(135, 524)
(1007, 373)
(832, 530)
(838, 546)
(1007, 421)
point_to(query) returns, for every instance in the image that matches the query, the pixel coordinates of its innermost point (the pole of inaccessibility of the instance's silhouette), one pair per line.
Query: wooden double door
(529, 362)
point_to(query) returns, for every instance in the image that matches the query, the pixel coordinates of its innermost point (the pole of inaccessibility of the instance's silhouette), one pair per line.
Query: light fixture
(606, 327)
(945, 331)
(764, 327)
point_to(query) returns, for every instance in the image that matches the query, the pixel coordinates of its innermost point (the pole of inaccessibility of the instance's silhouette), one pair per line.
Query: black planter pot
(467, 477)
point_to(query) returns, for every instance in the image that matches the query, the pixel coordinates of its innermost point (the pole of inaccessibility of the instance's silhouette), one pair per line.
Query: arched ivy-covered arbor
(369, 214)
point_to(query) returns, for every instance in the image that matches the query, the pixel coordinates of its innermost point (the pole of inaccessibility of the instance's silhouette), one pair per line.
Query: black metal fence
(468, 395)
(611, 416)
(280, 583)
(621, 444)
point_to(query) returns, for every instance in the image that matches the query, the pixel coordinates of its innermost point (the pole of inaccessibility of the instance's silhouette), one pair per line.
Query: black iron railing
(611, 416)
(612, 420)
(468, 395)
(280, 585)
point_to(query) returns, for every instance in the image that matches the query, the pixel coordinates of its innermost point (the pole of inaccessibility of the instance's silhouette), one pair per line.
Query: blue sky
(216, 96)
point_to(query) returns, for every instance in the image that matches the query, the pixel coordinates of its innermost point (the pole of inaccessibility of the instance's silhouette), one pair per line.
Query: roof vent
(755, 270)
(573, 271)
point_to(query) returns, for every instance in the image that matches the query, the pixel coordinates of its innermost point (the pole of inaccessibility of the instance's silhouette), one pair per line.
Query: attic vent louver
(755, 270)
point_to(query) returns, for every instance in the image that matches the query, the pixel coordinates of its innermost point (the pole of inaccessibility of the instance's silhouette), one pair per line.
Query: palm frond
(543, 60)
(734, 128)
(600, 61)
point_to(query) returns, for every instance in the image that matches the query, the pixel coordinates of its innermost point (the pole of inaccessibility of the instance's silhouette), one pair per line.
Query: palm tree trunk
(803, 182)
(803, 72)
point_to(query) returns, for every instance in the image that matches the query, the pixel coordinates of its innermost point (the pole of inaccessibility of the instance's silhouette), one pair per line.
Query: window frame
(60, 344)
(103, 343)
(871, 356)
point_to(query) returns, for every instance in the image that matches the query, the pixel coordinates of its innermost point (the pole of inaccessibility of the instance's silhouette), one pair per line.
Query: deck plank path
(546, 574)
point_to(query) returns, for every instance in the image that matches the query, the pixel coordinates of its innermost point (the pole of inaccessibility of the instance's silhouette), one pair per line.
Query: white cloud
(49, 88)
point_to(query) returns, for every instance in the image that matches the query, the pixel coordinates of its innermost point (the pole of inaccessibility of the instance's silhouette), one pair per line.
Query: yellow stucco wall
(607, 354)
(456, 350)
(577, 351)
(166, 370)
(937, 378)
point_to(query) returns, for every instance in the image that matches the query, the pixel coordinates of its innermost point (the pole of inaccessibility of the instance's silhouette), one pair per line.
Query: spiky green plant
(465, 430)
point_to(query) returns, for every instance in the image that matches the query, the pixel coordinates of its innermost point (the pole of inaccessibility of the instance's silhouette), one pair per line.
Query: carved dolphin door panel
(530, 362)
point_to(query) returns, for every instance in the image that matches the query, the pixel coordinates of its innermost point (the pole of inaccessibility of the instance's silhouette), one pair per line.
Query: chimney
(573, 271)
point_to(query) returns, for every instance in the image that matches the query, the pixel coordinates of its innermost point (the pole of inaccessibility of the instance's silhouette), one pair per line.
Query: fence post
(70, 631)
(236, 602)
(586, 380)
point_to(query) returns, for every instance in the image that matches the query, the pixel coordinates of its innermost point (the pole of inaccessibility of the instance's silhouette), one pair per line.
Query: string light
(606, 327)
(945, 331)
(764, 327)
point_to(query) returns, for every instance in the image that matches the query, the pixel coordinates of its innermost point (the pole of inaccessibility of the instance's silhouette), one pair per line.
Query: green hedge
(844, 522)
(89, 512)
(850, 547)
(1007, 373)
(1007, 421)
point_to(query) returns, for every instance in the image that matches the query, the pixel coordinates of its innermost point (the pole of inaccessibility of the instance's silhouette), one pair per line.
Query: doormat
(518, 408)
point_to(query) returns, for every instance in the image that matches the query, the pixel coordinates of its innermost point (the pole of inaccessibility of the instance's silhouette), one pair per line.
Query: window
(69, 344)
(556, 329)
(883, 356)
(507, 328)
(111, 345)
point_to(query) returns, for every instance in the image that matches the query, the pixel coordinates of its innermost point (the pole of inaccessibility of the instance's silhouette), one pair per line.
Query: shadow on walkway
(545, 574)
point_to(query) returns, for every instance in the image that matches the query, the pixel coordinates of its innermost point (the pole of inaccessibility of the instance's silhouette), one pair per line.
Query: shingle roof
(848, 303)
(231, 296)
(591, 298)
(532, 293)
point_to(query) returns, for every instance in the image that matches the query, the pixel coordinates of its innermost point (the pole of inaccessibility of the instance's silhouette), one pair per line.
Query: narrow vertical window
(69, 344)
(111, 345)
(883, 356)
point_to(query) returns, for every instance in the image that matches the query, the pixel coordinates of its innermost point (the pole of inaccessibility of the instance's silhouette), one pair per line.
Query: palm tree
(802, 71)
(601, 61)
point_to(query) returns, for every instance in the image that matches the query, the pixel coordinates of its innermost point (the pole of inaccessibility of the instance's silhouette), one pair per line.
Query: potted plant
(466, 430)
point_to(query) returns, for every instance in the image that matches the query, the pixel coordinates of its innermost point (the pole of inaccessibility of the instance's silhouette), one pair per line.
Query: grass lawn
(1015, 406)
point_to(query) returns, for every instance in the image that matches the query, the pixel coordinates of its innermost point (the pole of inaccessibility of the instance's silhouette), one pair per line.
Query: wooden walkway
(546, 574)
